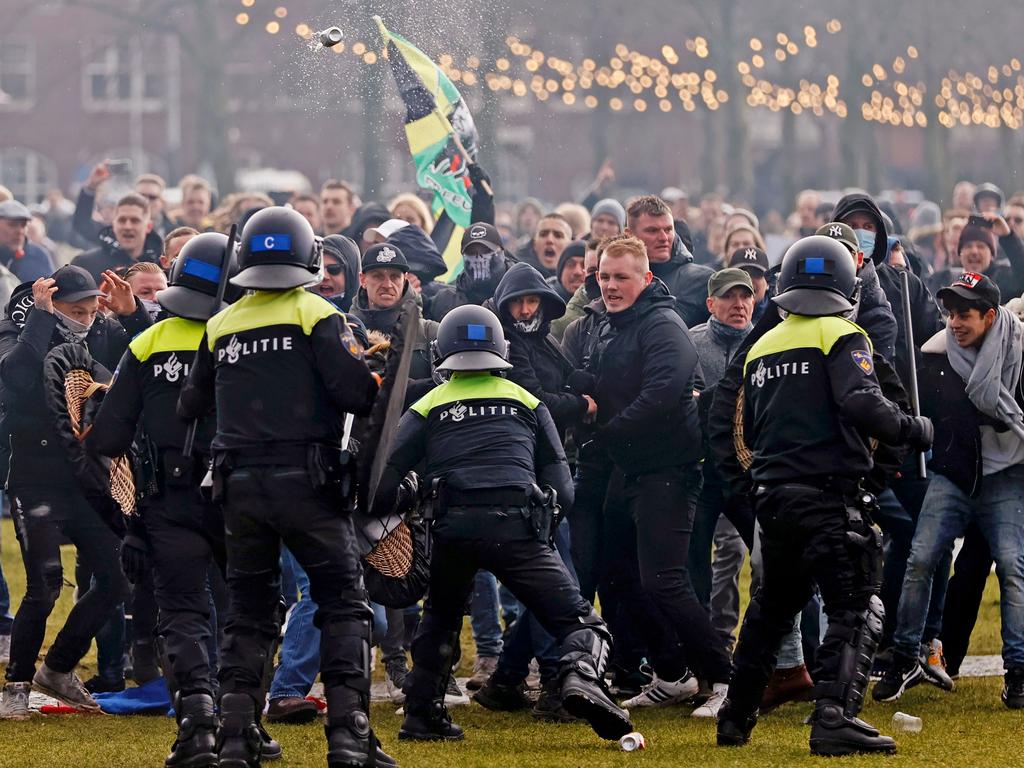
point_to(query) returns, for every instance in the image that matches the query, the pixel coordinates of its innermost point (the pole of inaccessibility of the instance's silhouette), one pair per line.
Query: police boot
(195, 745)
(350, 740)
(426, 717)
(430, 722)
(734, 727)
(834, 733)
(239, 740)
(835, 727)
(585, 654)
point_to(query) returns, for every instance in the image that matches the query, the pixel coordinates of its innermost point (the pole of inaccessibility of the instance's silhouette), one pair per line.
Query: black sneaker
(502, 697)
(549, 707)
(97, 684)
(734, 728)
(1013, 688)
(904, 673)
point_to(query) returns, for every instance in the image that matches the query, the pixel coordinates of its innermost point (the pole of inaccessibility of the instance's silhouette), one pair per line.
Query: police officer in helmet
(487, 444)
(807, 468)
(179, 532)
(283, 367)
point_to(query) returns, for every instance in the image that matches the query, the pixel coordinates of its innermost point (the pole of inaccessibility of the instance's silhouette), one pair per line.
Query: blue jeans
(299, 662)
(945, 514)
(484, 615)
(528, 639)
(6, 620)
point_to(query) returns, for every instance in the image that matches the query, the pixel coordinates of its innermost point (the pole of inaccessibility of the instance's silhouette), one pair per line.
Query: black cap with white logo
(483, 233)
(750, 259)
(384, 256)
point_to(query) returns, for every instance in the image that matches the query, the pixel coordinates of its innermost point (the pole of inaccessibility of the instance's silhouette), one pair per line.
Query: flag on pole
(442, 137)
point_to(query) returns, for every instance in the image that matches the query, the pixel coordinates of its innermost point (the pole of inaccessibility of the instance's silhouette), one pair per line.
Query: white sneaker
(454, 696)
(710, 707)
(662, 693)
(14, 704)
(5, 649)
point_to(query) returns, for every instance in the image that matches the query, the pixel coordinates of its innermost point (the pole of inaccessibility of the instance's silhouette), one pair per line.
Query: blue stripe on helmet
(202, 270)
(271, 242)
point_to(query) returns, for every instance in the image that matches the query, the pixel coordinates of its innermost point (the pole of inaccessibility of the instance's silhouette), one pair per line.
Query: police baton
(222, 287)
(915, 400)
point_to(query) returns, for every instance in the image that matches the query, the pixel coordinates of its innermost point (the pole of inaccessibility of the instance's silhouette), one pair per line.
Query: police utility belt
(539, 508)
(329, 470)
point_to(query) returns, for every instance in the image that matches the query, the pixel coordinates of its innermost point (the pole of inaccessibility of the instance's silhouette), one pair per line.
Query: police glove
(408, 492)
(134, 557)
(921, 433)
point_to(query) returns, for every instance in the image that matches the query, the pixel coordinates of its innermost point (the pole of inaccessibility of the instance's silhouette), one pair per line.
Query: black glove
(134, 557)
(582, 382)
(408, 492)
(921, 433)
(477, 175)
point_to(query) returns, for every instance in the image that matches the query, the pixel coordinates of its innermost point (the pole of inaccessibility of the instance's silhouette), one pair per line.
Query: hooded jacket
(687, 281)
(369, 215)
(875, 314)
(645, 365)
(384, 320)
(108, 255)
(425, 261)
(333, 244)
(538, 365)
(26, 336)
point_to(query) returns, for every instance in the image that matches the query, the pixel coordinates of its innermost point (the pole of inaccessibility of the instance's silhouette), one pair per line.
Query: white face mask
(77, 329)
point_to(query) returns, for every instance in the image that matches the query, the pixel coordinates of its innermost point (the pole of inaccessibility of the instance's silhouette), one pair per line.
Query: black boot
(835, 733)
(239, 741)
(270, 748)
(429, 723)
(196, 743)
(734, 727)
(584, 695)
(350, 740)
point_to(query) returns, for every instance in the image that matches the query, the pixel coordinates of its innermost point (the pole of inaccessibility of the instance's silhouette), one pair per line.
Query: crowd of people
(659, 390)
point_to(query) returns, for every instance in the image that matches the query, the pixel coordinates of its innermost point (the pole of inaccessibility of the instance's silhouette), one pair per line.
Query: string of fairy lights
(632, 80)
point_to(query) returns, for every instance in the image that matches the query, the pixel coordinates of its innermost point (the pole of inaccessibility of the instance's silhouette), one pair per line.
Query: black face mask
(591, 286)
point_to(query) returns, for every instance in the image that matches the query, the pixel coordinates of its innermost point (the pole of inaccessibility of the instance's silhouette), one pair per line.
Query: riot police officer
(808, 463)
(179, 532)
(282, 366)
(487, 444)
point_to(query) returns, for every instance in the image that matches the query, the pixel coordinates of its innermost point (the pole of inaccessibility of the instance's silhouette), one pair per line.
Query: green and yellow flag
(441, 133)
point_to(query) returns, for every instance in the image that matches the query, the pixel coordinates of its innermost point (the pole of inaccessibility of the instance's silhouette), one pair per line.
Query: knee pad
(587, 650)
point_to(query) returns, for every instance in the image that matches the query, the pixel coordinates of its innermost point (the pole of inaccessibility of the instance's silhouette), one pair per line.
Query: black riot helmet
(191, 290)
(470, 339)
(278, 251)
(817, 278)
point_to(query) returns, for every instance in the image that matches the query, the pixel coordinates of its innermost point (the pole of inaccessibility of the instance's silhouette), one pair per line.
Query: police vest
(791, 418)
(480, 432)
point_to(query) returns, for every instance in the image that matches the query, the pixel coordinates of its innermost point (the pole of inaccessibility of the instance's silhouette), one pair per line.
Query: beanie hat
(974, 233)
(574, 250)
(613, 208)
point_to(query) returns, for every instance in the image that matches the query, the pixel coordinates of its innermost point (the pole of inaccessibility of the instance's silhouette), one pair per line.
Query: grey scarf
(992, 373)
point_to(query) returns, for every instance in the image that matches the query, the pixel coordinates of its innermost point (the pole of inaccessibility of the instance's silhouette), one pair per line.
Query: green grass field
(969, 727)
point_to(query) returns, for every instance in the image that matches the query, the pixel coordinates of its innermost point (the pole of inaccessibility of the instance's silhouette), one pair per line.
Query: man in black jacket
(48, 505)
(484, 263)
(128, 240)
(650, 219)
(645, 364)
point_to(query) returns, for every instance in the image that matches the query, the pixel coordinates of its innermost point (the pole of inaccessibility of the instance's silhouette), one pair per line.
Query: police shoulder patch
(348, 340)
(863, 360)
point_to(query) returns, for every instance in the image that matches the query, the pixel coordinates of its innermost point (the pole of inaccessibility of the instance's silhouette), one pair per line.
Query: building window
(125, 75)
(17, 73)
(27, 173)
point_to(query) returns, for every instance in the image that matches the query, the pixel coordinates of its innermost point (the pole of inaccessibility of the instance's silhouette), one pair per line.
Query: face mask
(478, 266)
(77, 329)
(867, 242)
(529, 326)
(153, 308)
(592, 287)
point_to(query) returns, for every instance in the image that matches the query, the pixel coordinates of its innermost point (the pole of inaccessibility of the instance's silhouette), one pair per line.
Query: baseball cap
(384, 256)
(750, 259)
(483, 233)
(842, 232)
(74, 283)
(974, 287)
(387, 229)
(12, 209)
(725, 279)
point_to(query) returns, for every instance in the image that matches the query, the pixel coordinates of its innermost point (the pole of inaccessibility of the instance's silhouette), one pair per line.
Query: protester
(130, 239)
(26, 260)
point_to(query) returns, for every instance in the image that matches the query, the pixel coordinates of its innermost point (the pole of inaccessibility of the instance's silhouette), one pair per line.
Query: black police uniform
(488, 443)
(808, 462)
(282, 367)
(185, 534)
